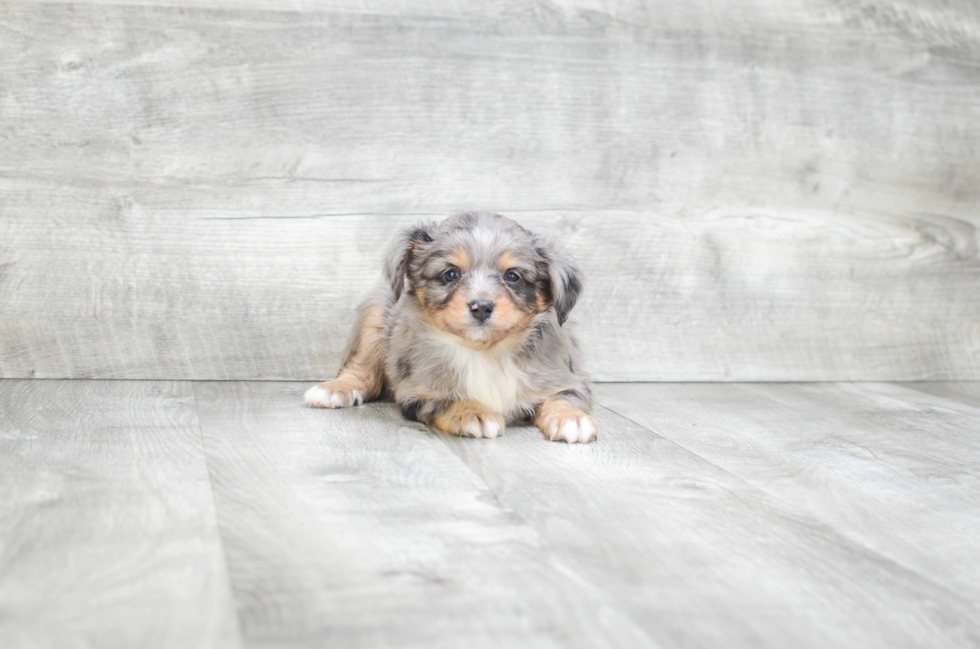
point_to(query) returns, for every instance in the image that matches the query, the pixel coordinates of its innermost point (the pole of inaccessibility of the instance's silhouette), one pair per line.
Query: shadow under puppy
(468, 335)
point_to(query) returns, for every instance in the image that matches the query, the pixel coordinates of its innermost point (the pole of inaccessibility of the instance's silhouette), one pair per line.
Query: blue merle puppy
(467, 335)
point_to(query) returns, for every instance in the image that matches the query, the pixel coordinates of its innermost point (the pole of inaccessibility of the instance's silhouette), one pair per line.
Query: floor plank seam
(568, 566)
(807, 514)
(217, 523)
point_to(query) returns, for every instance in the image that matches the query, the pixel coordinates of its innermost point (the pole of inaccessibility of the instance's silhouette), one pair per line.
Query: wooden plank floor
(225, 514)
(107, 525)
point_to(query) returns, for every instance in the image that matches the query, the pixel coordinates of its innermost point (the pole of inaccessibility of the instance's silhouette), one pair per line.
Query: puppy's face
(482, 277)
(481, 293)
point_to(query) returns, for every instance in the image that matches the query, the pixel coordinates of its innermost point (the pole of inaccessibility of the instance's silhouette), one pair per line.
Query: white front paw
(328, 395)
(487, 427)
(573, 430)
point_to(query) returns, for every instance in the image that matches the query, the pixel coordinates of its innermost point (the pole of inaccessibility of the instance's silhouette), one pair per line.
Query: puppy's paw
(470, 419)
(578, 429)
(339, 393)
(562, 422)
(488, 425)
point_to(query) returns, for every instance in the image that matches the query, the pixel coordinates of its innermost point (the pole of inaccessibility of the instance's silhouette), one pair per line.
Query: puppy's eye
(511, 276)
(450, 276)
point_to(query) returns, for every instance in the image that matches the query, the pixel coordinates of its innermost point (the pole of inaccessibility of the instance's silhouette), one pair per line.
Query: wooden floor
(225, 514)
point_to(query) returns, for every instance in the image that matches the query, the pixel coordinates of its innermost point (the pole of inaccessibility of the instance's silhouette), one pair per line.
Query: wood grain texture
(354, 528)
(967, 392)
(107, 528)
(699, 557)
(806, 516)
(756, 190)
(892, 468)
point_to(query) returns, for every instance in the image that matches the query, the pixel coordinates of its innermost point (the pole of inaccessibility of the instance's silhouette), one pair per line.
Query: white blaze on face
(481, 286)
(484, 237)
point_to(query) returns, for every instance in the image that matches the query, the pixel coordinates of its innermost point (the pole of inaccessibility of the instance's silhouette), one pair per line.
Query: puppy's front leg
(561, 421)
(361, 378)
(466, 418)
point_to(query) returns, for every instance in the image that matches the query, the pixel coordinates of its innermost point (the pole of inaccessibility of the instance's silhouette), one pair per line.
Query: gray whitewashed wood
(755, 190)
(700, 557)
(892, 468)
(107, 527)
(353, 528)
(964, 391)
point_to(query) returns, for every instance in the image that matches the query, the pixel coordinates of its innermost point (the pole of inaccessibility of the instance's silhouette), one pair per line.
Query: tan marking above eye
(506, 261)
(459, 258)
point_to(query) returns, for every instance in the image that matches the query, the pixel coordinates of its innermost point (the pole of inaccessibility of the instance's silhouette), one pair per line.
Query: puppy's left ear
(565, 281)
(400, 255)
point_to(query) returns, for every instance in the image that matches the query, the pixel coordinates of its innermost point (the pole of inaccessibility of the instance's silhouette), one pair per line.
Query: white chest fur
(490, 377)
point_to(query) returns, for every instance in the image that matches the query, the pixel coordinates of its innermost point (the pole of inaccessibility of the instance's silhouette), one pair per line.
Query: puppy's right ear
(564, 284)
(400, 255)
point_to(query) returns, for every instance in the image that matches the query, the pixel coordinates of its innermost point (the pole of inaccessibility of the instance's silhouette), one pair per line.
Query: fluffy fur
(467, 334)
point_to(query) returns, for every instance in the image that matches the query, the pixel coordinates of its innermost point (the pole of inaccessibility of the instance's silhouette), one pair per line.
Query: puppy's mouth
(480, 334)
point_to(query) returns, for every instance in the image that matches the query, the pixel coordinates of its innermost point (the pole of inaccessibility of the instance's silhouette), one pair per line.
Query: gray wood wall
(762, 189)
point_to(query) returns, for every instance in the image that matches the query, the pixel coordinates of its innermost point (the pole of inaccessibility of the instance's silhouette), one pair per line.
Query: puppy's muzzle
(481, 310)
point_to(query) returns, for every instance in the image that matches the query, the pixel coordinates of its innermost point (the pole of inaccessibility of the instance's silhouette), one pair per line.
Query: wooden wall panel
(760, 190)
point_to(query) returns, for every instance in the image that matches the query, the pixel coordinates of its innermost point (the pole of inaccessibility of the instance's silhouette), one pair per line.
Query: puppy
(467, 334)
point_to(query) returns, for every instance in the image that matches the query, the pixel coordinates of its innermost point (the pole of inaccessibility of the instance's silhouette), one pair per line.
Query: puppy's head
(481, 277)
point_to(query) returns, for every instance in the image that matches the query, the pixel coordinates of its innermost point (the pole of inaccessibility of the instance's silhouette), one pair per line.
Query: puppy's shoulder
(547, 339)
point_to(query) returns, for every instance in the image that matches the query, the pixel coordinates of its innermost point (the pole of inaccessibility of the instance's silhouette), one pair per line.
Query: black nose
(481, 309)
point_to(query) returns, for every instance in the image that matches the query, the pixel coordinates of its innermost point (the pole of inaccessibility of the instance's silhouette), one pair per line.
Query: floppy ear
(564, 281)
(400, 254)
